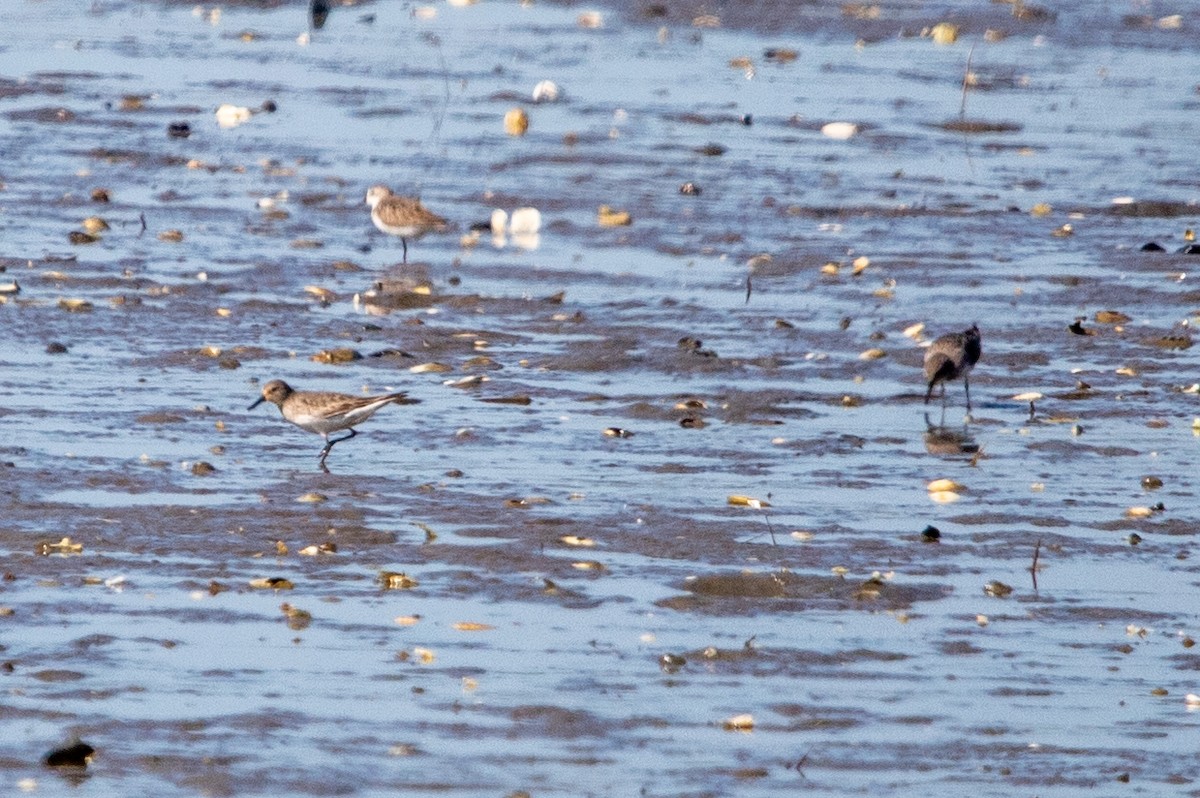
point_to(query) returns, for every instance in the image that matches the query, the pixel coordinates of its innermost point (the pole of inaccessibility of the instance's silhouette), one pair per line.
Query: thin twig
(767, 518)
(962, 108)
(1037, 550)
(441, 117)
(799, 764)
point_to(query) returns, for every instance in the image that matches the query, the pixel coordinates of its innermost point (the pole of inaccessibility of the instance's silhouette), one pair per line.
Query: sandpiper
(402, 216)
(323, 412)
(952, 356)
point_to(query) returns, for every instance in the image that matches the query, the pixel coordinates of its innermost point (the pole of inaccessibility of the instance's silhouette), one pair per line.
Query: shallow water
(521, 661)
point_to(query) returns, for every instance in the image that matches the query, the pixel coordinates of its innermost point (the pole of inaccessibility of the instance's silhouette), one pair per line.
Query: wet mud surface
(664, 474)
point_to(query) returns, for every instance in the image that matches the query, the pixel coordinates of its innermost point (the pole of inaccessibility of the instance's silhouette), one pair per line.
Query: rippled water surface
(221, 620)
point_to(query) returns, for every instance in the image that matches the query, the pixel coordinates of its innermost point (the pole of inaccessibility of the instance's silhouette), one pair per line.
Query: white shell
(499, 222)
(545, 92)
(232, 115)
(525, 221)
(840, 131)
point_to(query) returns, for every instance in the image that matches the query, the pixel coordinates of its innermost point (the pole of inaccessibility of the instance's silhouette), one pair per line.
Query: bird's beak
(261, 399)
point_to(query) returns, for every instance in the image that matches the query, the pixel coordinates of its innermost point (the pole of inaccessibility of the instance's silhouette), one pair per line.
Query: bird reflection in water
(943, 440)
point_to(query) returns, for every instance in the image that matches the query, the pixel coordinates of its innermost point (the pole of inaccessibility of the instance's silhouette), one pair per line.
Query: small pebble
(671, 663)
(72, 756)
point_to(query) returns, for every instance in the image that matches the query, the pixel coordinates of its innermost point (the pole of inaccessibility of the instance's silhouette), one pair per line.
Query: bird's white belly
(405, 231)
(324, 425)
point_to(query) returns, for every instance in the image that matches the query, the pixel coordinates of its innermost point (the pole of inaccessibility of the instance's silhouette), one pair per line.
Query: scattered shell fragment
(10, 288)
(780, 55)
(939, 485)
(525, 221)
(312, 498)
(423, 368)
(944, 33)
(617, 432)
(743, 722)
(590, 19)
(576, 540)
(739, 500)
(296, 617)
(671, 663)
(997, 589)
(94, 224)
(516, 122)
(610, 217)
(872, 354)
(915, 331)
(272, 583)
(1112, 317)
(64, 546)
(474, 381)
(588, 565)
(229, 116)
(1041, 209)
(407, 620)
(76, 305)
(498, 222)
(546, 91)
(472, 626)
(343, 355)
(528, 501)
(395, 580)
(1192, 700)
(323, 294)
(171, 236)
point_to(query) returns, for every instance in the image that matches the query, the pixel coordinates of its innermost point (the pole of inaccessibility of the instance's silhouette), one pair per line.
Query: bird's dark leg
(329, 445)
(967, 388)
(404, 244)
